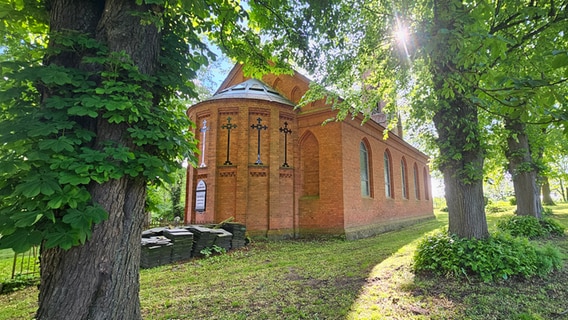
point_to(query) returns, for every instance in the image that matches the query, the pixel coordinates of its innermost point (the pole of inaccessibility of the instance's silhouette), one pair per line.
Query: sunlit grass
(332, 279)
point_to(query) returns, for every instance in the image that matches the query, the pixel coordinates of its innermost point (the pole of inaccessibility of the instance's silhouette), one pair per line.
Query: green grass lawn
(333, 279)
(6, 261)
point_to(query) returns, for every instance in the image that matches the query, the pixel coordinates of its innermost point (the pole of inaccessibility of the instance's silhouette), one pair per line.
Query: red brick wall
(361, 211)
(322, 212)
(320, 191)
(260, 196)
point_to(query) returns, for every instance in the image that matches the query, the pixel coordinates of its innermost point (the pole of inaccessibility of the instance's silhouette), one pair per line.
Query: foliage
(494, 208)
(501, 256)
(54, 98)
(50, 157)
(446, 72)
(497, 206)
(547, 211)
(215, 249)
(531, 227)
(164, 200)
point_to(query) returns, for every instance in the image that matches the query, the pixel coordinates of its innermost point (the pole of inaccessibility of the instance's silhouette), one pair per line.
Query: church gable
(292, 87)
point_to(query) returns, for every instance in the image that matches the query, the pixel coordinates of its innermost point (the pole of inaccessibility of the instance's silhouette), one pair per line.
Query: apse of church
(276, 169)
(246, 136)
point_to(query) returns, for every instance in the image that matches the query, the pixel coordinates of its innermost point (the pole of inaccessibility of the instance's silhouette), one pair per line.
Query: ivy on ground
(531, 227)
(500, 256)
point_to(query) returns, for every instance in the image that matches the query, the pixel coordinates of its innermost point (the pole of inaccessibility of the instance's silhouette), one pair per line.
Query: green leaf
(67, 178)
(77, 219)
(21, 241)
(54, 75)
(29, 189)
(56, 145)
(42, 130)
(61, 238)
(560, 60)
(97, 214)
(83, 219)
(26, 218)
(56, 202)
(116, 118)
(49, 186)
(82, 111)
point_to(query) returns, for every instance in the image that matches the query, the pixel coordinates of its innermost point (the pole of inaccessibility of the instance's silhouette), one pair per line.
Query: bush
(546, 211)
(553, 227)
(498, 257)
(495, 208)
(513, 201)
(531, 227)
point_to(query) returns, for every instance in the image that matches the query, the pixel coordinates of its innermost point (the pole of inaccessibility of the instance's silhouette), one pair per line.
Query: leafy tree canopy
(53, 97)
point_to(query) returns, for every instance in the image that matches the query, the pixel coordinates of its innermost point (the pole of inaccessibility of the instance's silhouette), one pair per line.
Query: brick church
(277, 170)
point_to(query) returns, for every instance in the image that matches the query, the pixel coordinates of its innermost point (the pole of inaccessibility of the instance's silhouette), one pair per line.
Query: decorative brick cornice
(227, 174)
(258, 171)
(203, 114)
(287, 117)
(228, 111)
(259, 112)
(286, 174)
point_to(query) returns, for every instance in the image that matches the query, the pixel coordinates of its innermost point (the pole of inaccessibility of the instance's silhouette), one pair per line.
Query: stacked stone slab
(223, 239)
(156, 251)
(182, 241)
(202, 238)
(154, 232)
(238, 231)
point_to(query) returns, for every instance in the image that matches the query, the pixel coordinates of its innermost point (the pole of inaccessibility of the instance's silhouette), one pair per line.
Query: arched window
(364, 163)
(426, 187)
(388, 175)
(416, 183)
(309, 159)
(403, 176)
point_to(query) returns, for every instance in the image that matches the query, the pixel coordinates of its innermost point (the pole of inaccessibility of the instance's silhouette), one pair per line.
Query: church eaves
(252, 89)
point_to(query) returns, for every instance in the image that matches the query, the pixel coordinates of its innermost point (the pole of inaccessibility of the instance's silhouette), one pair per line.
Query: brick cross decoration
(229, 126)
(286, 132)
(258, 127)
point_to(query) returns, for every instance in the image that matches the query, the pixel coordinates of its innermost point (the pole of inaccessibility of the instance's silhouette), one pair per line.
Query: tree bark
(100, 279)
(523, 170)
(546, 197)
(562, 190)
(457, 126)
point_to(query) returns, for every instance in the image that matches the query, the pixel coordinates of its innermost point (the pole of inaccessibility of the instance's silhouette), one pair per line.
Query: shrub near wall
(498, 257)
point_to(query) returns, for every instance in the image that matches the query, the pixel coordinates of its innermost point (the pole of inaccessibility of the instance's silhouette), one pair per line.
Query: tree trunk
(457, 126)
(523, 170)
(546, 197)
(99, 280)
(562, 190)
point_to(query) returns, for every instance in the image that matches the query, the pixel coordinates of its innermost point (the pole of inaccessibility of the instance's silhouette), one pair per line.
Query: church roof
(251, 89)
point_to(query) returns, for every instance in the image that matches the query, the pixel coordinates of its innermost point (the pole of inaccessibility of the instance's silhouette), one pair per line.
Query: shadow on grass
(315, 279)
(393, 291)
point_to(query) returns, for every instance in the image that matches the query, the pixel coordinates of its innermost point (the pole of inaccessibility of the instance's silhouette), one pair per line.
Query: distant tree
(164, 200)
